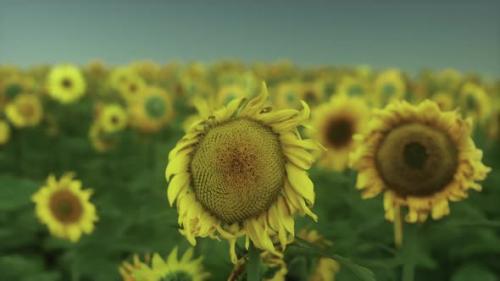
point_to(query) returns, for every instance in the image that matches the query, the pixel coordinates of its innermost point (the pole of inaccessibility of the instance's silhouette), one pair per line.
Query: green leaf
(15, 193)
(254, 264)
(473, 272)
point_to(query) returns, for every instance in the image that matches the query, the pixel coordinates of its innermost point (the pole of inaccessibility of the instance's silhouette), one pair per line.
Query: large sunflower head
(4, 132)
(170, 269)
(242, 172)
(65, 207)
(475, 102)
(25, 111)
(66, 84)
(334, 125)
(420, 157)
(152, 110)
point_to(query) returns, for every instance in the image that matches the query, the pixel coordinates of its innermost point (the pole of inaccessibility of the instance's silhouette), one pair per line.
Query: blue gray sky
(406, 34)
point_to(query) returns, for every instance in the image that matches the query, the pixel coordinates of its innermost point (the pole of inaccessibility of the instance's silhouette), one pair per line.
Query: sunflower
(152, 110)
(170, 269)
(65, 207)
(4, 132)
(100, 140)
(14, 85)
(444, 100)
(334, 124)
(312, 92)
(388, 86)
(66, 84)
(112, 118)
(420, 157)
(475, 102)
(286, 94)
(25, 111)
(242, 173)
(230, 92)
(353, 87)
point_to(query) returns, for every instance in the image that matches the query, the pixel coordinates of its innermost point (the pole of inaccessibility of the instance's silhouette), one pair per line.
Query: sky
(410, 35)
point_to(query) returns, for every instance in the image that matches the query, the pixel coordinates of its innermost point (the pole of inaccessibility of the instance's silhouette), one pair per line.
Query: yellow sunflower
(4, 132)
(312, 92)
(389, 85)
(14, 85)
(475, 102)
(353, 87)
(159, 269)
(334, 124)
(286, 94)
(112, 118)
(242, 173)
(100, 140)
(24, 111)
(65, 207)
(444, 100)
(66, 84)
(229, 92)
(419, 157)
(151, 111)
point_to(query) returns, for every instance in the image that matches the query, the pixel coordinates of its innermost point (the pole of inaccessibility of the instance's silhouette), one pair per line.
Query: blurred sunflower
(131, 88)
(151, 111)
(24, 111)
(229, 92)
(15, 84)
(334, 124)
(242, 172)
(100, 140)
(4, 132)
(312, 92)
(158, 269)
(65, 83)
(65, 208)
(444, 100)
(286, 94)
(112, 118)
(389, 85)
(420, 157)
(352, 87)
(475, 102)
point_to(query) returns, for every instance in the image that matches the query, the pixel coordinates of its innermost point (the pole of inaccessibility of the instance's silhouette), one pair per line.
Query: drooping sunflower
(334, 124)
(170, 269)
(389, 85)
(4, 132)
(151, 111)
(242, 173)
(24, 111)
(65, 207)
(112, 118)
(66, 84)
(475, 102)
(419, 157)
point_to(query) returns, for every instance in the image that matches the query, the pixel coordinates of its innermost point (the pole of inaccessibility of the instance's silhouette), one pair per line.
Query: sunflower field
(237, 171)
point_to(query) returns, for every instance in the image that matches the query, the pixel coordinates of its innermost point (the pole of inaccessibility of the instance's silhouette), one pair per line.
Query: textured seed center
(339, 132)
(65, 206)
(238, 170)
(417, 160)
